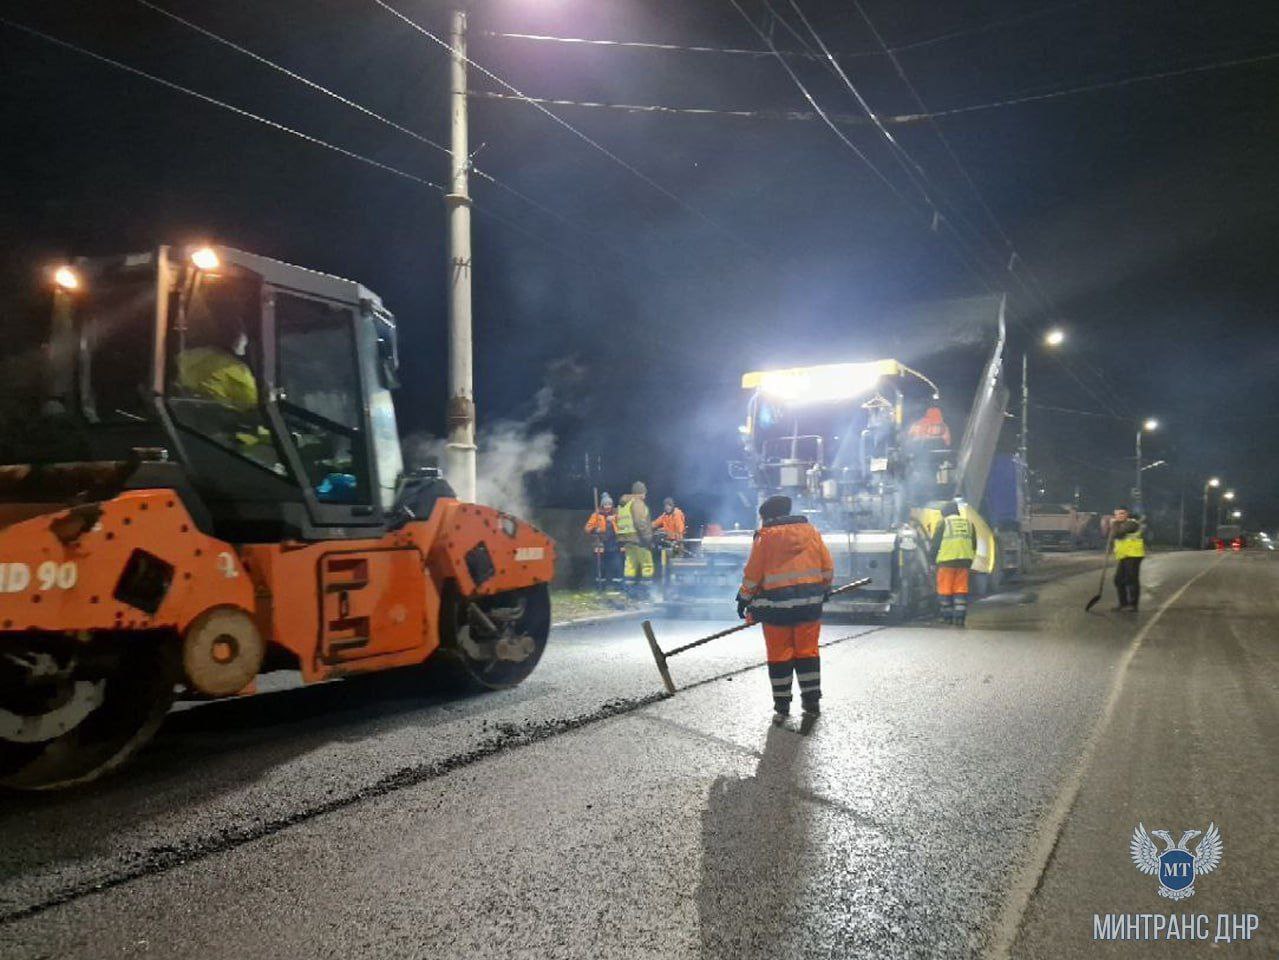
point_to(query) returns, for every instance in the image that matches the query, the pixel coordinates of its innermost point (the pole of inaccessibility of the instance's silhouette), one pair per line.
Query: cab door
(372, 602)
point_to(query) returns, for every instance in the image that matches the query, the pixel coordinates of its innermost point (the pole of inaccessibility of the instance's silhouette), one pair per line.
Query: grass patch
(580, 604)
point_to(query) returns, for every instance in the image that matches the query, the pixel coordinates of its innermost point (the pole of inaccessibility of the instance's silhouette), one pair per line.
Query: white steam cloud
(510, 453)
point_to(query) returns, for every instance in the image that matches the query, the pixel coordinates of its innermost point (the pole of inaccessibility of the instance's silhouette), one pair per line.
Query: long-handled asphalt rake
(660, 658)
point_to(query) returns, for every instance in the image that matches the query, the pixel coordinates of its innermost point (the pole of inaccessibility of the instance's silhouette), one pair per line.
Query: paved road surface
(964, 794)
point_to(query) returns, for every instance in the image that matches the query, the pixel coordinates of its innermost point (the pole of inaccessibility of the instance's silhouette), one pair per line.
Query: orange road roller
(208, 485)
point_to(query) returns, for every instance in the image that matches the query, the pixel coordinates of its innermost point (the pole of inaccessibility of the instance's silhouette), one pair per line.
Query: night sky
(1144, 216)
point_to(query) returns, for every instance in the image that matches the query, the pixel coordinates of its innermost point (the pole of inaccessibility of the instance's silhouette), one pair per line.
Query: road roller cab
(208, 484)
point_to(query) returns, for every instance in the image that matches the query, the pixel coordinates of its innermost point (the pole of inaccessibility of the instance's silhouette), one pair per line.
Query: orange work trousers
(798, 642)
(951, 581)
(792, 652)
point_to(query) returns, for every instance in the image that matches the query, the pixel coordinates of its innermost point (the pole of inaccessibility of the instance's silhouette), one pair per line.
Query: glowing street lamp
(1149, 425)
(1210, 484)
(1053, 338)
(1228, 495)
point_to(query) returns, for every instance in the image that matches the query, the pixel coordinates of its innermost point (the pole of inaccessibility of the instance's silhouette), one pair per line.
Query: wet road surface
(964, 794)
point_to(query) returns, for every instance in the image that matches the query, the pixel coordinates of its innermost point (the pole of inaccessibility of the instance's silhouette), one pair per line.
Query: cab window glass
(215, 361)
(115, 354)
(320, 396)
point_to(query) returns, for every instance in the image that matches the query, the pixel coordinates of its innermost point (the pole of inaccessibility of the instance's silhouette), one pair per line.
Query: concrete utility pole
(459, 467)
(1136, 490)
(1203, 523)
(1025, 415)
(1150, 424)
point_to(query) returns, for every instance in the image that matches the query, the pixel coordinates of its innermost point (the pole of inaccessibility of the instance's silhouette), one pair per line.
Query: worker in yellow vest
(1129, 536)
(635, 533)
(954, 546)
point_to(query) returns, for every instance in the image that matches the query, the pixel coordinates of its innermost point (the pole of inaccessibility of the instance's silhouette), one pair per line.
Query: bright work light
(206, 259)
(66, 278)
(821, 384)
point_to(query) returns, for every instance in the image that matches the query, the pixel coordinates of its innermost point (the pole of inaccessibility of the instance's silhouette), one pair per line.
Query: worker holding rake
(784, 585)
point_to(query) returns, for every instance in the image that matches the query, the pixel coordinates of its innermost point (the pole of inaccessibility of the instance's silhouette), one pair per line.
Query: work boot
(812, 705)
(781, 710)
(961, 621)
(1119, 608)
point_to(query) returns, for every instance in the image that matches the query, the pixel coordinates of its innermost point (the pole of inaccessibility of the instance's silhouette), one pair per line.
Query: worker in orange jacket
(930, 429)
(784, 585)
(602, 526)
(671, 521)
(668, 531)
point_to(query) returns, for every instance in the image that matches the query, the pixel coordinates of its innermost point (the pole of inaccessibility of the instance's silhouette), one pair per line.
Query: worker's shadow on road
(756, 853)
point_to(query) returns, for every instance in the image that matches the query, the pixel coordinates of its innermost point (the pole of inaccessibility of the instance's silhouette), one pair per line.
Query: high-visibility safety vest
(1130, 545)
(956, 540)
(625, 521)
(214, 374)
(788, 573)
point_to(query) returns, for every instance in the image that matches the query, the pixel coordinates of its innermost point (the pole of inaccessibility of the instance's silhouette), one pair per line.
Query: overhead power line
(596, 145)
(931, 214)
(846, 119)
(988, 26)
(648, 45)
(914, 172)
(292, 75)
(265, 121)
(879, 174)
(1010, 251)
(359, 107)
(797, 54)
(1105, 85)
(1078, 413)
(913, 169)
(239, 111)
(774, 115)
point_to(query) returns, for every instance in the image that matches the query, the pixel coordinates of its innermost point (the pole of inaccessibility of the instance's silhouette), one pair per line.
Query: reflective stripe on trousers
(779, 675)
(793, 650)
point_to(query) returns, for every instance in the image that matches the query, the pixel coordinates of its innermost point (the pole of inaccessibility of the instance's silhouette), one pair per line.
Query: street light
(1221, 506)
(1210, 483)
(1053, 338)
(1236, 514)
(1150, 424)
